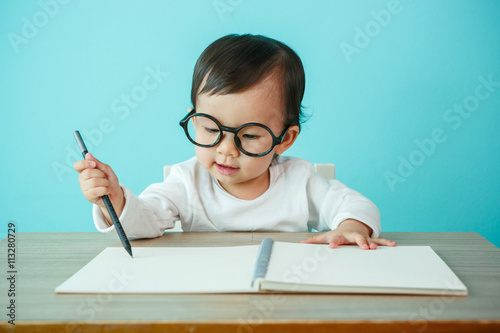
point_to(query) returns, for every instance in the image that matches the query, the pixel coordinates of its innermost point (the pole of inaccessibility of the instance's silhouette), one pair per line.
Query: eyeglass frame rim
(276, 139)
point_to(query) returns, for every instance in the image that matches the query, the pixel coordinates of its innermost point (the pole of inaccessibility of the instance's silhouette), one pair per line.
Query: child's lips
(225, 169)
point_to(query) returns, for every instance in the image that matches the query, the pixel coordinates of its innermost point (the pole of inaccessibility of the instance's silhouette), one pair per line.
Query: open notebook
(271, 266)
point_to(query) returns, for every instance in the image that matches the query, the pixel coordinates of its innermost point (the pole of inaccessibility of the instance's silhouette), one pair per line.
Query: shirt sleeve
(151, 213)
(336, 203)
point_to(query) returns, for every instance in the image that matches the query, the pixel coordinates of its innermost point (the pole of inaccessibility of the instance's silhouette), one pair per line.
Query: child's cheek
(204, 155)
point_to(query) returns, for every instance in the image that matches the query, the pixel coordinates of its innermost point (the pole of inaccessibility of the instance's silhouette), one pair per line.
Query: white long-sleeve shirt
(297, 197)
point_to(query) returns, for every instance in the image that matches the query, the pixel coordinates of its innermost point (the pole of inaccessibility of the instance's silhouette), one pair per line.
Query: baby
(246, 93)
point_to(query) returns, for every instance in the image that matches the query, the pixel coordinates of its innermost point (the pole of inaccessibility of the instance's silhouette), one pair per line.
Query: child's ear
(288, 140)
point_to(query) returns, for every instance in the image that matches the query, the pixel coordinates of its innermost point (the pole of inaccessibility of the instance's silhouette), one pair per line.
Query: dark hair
(235, 63)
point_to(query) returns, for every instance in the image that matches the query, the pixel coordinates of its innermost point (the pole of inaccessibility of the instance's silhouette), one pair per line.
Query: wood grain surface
(45, 260)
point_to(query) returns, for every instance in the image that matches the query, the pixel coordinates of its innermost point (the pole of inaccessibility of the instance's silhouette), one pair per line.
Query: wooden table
(45, 260)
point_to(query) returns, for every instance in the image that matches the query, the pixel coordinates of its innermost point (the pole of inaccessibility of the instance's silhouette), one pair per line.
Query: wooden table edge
(293, 325)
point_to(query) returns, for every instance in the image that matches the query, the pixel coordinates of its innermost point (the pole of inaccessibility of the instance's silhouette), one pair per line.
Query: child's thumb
(99, 164)
(90, 157)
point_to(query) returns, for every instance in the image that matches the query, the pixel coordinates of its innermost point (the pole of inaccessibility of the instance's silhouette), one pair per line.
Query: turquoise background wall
(404, 98)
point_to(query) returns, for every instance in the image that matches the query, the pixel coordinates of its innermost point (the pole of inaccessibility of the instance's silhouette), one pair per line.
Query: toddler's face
(244, 176)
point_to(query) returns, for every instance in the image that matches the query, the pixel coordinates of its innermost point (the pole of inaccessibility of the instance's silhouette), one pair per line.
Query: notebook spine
(263, 258)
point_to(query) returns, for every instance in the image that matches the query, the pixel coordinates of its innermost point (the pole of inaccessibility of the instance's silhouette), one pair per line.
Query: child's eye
(212, 130)
(250, 136)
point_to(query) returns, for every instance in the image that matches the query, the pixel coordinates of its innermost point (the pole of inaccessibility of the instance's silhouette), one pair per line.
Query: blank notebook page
(166, 270)
(386, 267)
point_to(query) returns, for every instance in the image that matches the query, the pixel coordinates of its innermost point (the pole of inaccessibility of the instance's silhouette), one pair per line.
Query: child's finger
(361, 241)
(95, 183)
(384, 242)
(81, 165)
(338, 240)
(94, 194)
(91, 173)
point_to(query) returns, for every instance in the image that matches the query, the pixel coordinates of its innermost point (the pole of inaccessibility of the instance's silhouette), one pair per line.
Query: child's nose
(227, 146)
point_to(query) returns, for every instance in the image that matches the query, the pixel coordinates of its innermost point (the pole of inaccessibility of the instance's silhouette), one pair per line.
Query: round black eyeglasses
(252, 139)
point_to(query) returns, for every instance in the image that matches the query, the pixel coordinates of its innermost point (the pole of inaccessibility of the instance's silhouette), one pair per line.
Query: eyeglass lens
(253, 139)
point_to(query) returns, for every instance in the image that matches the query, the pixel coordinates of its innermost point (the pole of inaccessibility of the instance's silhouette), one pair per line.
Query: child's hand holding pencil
(97, 179)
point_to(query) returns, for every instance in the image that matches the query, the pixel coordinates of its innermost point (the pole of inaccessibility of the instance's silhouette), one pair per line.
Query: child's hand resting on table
(350, 232)
(97, 179)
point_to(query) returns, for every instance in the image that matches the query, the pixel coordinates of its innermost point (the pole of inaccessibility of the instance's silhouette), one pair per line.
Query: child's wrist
(355, 225)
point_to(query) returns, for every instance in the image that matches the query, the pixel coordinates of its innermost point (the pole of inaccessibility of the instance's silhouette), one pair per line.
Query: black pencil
(107, 201)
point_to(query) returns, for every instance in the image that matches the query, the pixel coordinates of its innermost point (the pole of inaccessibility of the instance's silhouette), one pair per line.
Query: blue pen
(107, 202)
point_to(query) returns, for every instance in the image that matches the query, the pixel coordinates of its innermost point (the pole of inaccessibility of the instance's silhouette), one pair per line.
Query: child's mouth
(226, 170)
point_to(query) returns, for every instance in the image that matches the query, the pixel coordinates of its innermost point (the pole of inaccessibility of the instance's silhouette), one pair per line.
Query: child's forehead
(261, 103)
